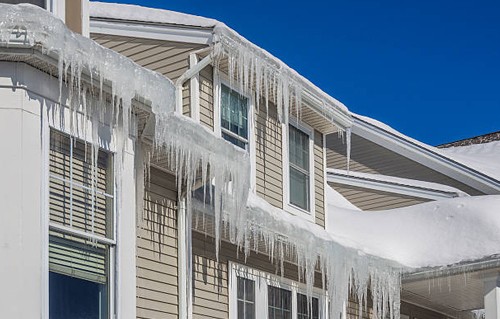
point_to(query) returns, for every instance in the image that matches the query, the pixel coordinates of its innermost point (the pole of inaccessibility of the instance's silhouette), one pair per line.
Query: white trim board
(150, 31)
(389, 184)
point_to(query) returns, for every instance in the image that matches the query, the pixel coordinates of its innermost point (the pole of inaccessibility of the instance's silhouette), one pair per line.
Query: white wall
(25, 96)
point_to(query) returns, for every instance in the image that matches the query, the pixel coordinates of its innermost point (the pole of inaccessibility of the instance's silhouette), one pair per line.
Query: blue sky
(430, 69)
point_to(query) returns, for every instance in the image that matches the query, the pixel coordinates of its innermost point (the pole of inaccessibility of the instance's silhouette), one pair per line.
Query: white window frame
(289, 207)
(222, 79)
(51, 122)
(262, 281)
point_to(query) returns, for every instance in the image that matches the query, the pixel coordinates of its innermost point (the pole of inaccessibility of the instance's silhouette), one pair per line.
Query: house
(201, 190)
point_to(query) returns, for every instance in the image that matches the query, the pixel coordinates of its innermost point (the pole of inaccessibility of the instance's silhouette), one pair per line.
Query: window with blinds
(81, 234)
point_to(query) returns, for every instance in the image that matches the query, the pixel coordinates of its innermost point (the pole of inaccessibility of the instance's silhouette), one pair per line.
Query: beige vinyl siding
(157, 249)
(319, 179)
(210, 278)
(207, 97)
(168, 58)
(369, 199)
(368, 157)
(268, 155)
(416, 312)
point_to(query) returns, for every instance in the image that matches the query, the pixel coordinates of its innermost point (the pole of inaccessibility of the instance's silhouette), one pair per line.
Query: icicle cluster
(198, 157)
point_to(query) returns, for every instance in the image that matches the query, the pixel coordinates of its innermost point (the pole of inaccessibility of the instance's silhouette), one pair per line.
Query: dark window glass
(246, 298)
(279, 303)
(305, 310)
(299, 167)
(40, 3)
(75, 298)
(234, 117)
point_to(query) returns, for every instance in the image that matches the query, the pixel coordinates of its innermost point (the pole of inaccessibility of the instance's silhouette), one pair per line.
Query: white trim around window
(293, 209)
(219, 80)
(262, 280)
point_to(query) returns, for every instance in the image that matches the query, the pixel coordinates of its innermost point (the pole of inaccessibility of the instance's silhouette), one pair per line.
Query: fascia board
(426, 157)
(388, 187)
(151, 31)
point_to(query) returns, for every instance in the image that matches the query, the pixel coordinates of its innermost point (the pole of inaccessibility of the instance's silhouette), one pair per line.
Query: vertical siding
(207, 97)
(157, 250)
(319, 179)
(268, 155)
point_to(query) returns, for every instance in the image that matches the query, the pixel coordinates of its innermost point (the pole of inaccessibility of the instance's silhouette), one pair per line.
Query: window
(299, 168)
(234, 117)
(279, 303)
(305, 310)
(257, 294)
(81, 222)
(246, 298)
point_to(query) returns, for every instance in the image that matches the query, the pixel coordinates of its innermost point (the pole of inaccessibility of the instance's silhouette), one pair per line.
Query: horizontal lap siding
(207, 97)
(368, 157)
(268, 155)
(210, 278)
(368, 199)
(157, 250)
(319, 179)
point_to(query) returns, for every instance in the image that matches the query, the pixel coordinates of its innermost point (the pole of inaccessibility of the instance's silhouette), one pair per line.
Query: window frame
(262, 281)
(109, 242)
(220, 79)
(289, 207)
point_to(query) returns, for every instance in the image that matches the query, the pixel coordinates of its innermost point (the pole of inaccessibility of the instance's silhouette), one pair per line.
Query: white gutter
(426, 157)
(403, 186)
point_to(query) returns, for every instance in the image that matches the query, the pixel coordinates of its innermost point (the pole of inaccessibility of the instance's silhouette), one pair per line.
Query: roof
(282, 79)
(480, 139)
(433, 234)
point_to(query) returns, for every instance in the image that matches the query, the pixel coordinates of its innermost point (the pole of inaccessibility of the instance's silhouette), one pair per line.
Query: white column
(20, 199)
(492, 298)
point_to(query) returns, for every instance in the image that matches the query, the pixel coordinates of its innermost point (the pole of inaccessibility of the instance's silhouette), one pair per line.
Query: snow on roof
(484, 159)
(222, 32)
(431, 234)
(138, 13)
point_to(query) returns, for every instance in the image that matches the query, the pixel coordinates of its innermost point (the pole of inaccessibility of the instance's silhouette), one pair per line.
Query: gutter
(491, 262)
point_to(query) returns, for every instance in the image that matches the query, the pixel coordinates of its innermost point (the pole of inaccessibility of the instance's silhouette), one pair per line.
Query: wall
(157, 249)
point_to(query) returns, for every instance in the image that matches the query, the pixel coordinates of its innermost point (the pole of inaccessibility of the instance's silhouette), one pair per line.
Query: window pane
(299, 189)
(234, 114)
(234, 140)
(299, 148)
(246, 298)
(279, 303)
(303, 310)
(76, 298)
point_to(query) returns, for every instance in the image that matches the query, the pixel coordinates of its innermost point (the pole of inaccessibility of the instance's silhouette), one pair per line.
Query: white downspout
(182, 260)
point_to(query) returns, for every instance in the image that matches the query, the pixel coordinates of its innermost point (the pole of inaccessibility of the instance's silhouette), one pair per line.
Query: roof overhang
(425, 156)
(451, 290)
(148, 30)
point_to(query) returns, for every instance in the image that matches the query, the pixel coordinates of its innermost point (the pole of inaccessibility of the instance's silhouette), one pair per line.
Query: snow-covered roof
(483, 158)
(144, 14)
(438, 233)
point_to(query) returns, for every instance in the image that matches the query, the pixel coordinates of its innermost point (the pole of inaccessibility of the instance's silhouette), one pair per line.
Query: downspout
(194, 70)
(184, 261)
